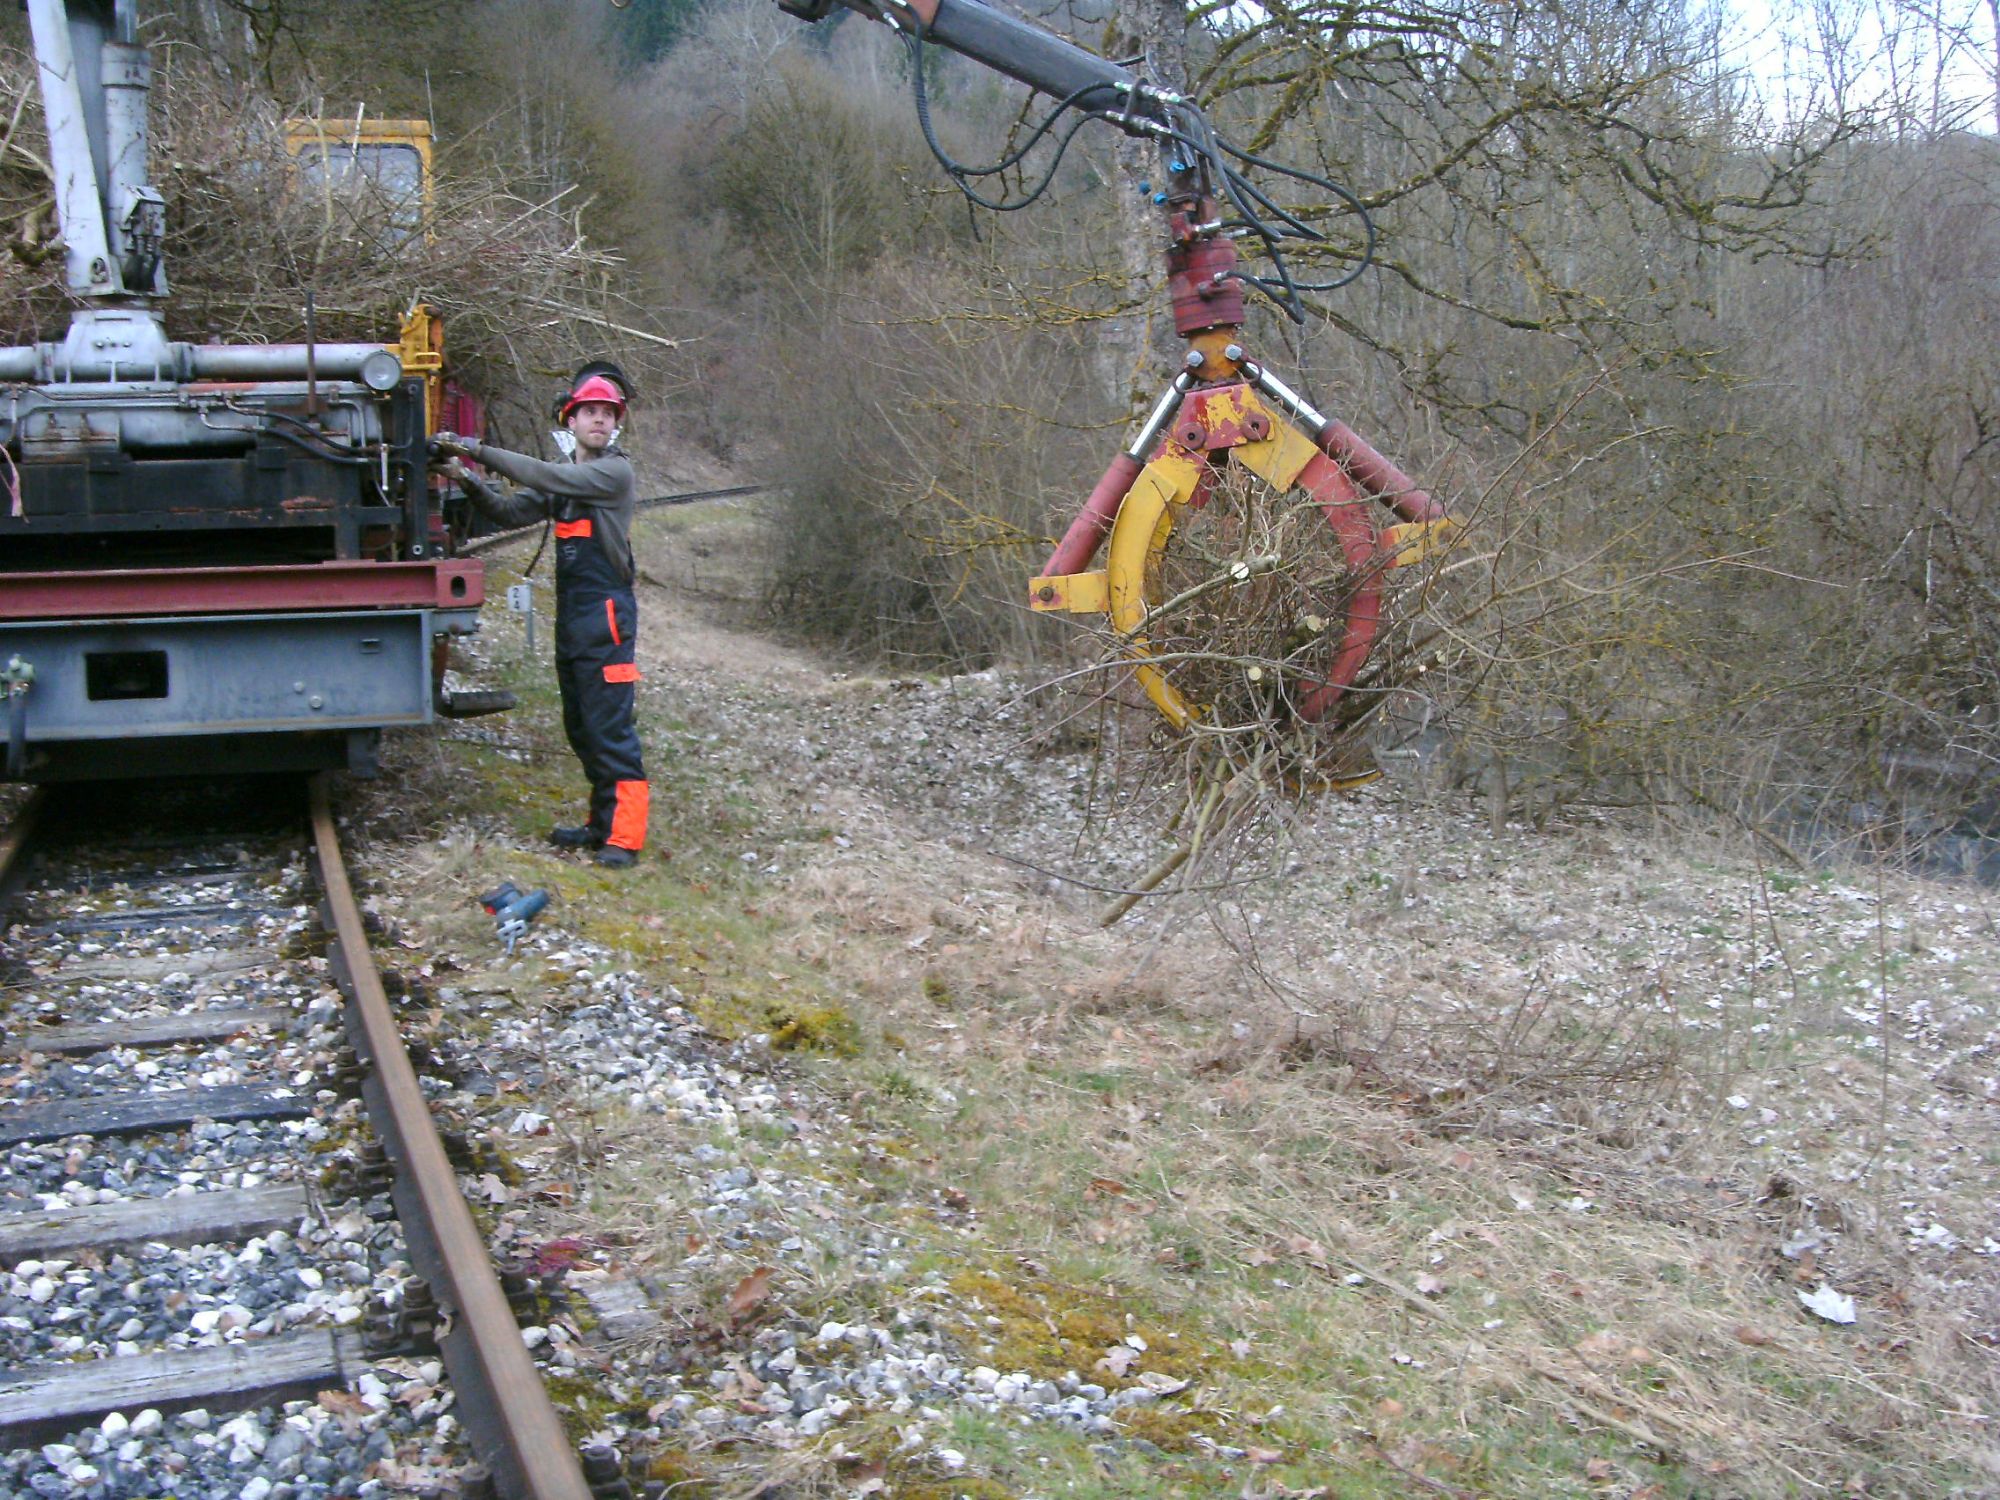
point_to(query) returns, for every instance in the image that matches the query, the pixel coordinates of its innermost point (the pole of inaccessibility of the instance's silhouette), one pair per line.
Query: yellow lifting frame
(1147, 517)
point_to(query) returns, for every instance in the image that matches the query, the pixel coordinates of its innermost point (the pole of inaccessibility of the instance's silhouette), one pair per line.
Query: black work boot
(575, 838)
(615, 858)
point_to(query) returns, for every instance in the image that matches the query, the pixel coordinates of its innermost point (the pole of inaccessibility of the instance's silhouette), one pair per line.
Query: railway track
(234, 1256)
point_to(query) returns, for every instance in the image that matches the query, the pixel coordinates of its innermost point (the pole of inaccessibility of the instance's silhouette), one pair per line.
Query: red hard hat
(596, 388)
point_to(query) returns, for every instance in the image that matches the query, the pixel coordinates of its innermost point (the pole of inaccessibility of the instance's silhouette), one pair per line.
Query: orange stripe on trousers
(628, 816)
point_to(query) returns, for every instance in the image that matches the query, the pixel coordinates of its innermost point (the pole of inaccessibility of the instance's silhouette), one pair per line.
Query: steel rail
(500, 1398)
(17, 836)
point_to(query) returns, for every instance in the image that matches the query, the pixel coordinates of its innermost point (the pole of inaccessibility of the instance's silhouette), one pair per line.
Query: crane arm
(94, 79)
(1022, 51)
(1202, 171)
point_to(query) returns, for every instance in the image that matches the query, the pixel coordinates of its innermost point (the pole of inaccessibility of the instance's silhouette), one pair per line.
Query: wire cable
(959, 172)
(1187, 128)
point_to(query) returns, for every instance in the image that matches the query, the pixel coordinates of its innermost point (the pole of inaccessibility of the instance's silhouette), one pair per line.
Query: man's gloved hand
(449, 445)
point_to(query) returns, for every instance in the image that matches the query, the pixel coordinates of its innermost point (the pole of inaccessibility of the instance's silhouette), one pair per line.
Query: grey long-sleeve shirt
(602, 488)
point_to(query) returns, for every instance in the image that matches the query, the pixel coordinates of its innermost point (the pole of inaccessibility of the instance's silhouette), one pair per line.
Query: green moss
(816, 1028)
(581, 1402)
(938, 992)
(897, 1084)
(677, 1470)
(961, 1487)
(1047, 1330)
(1171, 1426)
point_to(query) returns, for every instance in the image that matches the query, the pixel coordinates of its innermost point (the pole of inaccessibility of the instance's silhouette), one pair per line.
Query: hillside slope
(1434, 1160)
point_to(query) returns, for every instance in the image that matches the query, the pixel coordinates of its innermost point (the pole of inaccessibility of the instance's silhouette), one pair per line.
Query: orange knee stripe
(628, 815)
(622, 672)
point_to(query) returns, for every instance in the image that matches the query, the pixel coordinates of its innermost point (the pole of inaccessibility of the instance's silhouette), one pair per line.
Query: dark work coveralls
(597, 621)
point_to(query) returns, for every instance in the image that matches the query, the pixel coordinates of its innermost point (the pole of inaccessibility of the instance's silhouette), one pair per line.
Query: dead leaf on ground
(1429, 1285)
(347, 1408)
(1117, 1360)
(1310, 1251)
(1607, 1345)
(748, 1293)
(1599, 1469)
(1755, 1338)
(1264, 1455)
(557, 1255)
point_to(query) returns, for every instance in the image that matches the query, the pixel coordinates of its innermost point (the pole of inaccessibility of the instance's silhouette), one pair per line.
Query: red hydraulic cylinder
(1093, 523)
(1377, 475)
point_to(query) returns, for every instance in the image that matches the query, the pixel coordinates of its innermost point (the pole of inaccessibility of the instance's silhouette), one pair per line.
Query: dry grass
(1444, 1276)
(1496, 1162)
(1475, 1107)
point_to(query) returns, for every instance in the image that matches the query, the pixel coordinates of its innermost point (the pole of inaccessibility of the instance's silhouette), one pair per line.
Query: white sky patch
(1922, 65)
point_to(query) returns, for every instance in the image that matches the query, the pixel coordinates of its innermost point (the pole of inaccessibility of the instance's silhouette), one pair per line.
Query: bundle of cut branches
(253, 228)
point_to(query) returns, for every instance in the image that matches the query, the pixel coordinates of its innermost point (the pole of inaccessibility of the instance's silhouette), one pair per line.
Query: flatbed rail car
(219, 573)
(212, 557)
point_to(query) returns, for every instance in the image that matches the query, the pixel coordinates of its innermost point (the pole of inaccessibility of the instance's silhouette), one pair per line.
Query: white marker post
(521, 599)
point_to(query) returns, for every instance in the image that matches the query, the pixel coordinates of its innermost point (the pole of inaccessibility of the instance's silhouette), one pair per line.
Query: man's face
(593, 423)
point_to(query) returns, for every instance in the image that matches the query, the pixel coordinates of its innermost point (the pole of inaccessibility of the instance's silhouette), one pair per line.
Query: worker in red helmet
(590, 498)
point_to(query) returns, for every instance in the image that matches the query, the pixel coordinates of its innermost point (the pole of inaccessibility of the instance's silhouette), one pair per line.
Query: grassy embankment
(1528, 1246)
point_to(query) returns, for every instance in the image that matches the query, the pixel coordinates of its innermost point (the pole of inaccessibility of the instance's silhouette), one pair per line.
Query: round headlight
(381, 371)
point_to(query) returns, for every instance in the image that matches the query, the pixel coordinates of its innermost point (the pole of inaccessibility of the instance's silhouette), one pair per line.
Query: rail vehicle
(212, 557)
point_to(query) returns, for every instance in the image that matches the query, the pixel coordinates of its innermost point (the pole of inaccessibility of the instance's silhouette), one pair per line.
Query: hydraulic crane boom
(1024, 52)
(95, 77)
